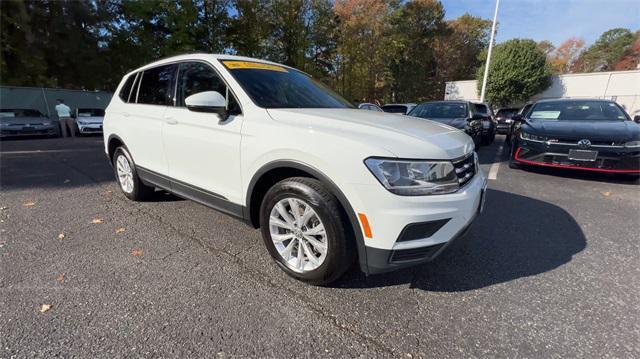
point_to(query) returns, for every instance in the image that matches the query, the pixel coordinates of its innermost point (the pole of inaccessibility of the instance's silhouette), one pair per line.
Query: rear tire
(127, 176)
(291, 215)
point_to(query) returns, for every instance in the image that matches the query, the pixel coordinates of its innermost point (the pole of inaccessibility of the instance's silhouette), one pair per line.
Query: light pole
(486, 66)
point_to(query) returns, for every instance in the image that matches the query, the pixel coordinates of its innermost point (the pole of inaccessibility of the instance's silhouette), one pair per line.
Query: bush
(518, 70)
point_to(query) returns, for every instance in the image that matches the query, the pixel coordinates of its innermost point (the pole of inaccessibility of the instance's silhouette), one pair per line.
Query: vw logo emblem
(584, 143)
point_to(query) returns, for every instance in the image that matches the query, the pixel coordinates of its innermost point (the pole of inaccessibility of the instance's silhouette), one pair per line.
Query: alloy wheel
(125, 173)
(298, 234)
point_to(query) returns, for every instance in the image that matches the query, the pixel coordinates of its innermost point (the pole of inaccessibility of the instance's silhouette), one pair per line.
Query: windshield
(272, 86)
(506, 112)
(20, 113)
(90, 112)
(577, 110)
(440, 110)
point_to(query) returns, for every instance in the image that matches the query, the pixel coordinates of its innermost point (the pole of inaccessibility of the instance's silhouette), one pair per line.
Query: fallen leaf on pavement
(29, 204)
(61, 236)
(606, 194)
(119, 230)
(45, 307)
(136, 252)
(97, 221)
(60, 278)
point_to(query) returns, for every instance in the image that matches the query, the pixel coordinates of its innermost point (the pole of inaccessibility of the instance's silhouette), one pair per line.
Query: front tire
(127, 176)
(304, 230)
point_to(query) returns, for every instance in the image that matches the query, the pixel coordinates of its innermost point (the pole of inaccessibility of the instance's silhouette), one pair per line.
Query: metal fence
(44, 99)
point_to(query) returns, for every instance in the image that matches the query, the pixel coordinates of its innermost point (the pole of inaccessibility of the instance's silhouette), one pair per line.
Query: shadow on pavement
(515, 237)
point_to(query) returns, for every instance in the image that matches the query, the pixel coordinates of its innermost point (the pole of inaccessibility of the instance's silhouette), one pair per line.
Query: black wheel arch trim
(331, 186)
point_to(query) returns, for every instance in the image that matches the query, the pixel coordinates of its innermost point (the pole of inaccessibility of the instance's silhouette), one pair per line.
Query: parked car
(401, 108)
(459, 114)
(268, 144)
(585, 134)
(489, 124)
(514, 124)
(503, 119)
(89, 120)
(26, 122)
(369, 106)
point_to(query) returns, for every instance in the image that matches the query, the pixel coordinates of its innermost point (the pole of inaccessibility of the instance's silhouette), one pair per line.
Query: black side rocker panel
(196, 194)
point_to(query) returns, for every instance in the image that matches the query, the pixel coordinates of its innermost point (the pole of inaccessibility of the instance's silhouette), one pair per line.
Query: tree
(518, 70)
(606, 51)
(546, 46)
(563, 58)
(458, 50)
(364, 42)
(414, 66)
(631, 58)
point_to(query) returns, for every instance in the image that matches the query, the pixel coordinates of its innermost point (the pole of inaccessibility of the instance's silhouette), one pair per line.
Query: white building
(620, 86)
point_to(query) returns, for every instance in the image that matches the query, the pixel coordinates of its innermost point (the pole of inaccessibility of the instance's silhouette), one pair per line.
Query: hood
(597, 130)
(24, 120)
(404, 136)
(458, 123)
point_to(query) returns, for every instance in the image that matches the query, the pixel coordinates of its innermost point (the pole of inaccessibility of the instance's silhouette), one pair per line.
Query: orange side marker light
(365, 225)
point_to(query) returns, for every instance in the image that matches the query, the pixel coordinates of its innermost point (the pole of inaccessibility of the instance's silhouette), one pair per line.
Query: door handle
(171, 121)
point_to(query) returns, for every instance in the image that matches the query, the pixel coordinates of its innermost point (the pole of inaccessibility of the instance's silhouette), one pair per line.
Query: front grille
(404, 255)
(465, 168)
(574, 142)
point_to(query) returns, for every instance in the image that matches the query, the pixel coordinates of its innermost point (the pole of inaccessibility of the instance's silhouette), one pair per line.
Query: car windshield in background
(394, 109)
(90, 112)
(20, 113)
(506, 112)
(577, 110)
(440, 110)
(273, 86)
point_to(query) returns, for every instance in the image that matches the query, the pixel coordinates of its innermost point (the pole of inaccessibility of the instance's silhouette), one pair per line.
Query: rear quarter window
(125, 92)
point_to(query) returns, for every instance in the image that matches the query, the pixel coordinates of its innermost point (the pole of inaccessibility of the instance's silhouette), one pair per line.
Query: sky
(553, 20)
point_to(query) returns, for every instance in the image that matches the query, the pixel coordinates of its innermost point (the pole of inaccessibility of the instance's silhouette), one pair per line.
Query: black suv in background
(503, 118)
(489, 124)
(463, 115)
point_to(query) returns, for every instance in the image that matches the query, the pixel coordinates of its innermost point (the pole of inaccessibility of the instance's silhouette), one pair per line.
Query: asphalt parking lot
(550, 269)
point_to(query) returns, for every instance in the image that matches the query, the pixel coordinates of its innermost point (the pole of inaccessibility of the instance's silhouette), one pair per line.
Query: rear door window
(156, 86)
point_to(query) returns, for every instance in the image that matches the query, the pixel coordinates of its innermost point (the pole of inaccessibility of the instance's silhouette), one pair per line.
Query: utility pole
(486, 67)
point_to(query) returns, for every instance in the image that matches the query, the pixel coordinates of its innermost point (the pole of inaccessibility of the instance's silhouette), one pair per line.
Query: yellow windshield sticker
(233, 65)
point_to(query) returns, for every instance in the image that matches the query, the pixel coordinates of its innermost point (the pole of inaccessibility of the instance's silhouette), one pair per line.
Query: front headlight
(414, 178)
(632, 144)
(528, 136)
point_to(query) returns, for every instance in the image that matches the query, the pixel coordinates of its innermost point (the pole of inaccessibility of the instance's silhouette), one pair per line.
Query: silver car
(26, 122)
(89, 120)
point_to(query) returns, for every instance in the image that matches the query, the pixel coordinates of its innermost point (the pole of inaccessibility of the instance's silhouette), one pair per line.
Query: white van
(326, 183)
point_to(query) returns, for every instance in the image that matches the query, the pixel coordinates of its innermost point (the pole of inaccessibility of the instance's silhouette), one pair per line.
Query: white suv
(266, 143)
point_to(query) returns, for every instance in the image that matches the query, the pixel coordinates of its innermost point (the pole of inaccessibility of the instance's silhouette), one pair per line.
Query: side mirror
(517, 118)
(636, 119)
(207, 101)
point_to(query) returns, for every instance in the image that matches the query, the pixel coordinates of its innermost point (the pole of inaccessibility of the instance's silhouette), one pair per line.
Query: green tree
(414, 66)
(518, 70)
(606, 51)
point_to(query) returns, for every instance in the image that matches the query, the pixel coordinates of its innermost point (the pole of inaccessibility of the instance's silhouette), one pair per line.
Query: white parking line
(44, 151)
(493, 171)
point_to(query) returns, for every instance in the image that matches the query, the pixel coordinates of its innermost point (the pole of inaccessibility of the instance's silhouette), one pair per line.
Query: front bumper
(611, 159)
(16, 131)
(390, 215)
(90, 128)
(503, 127)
